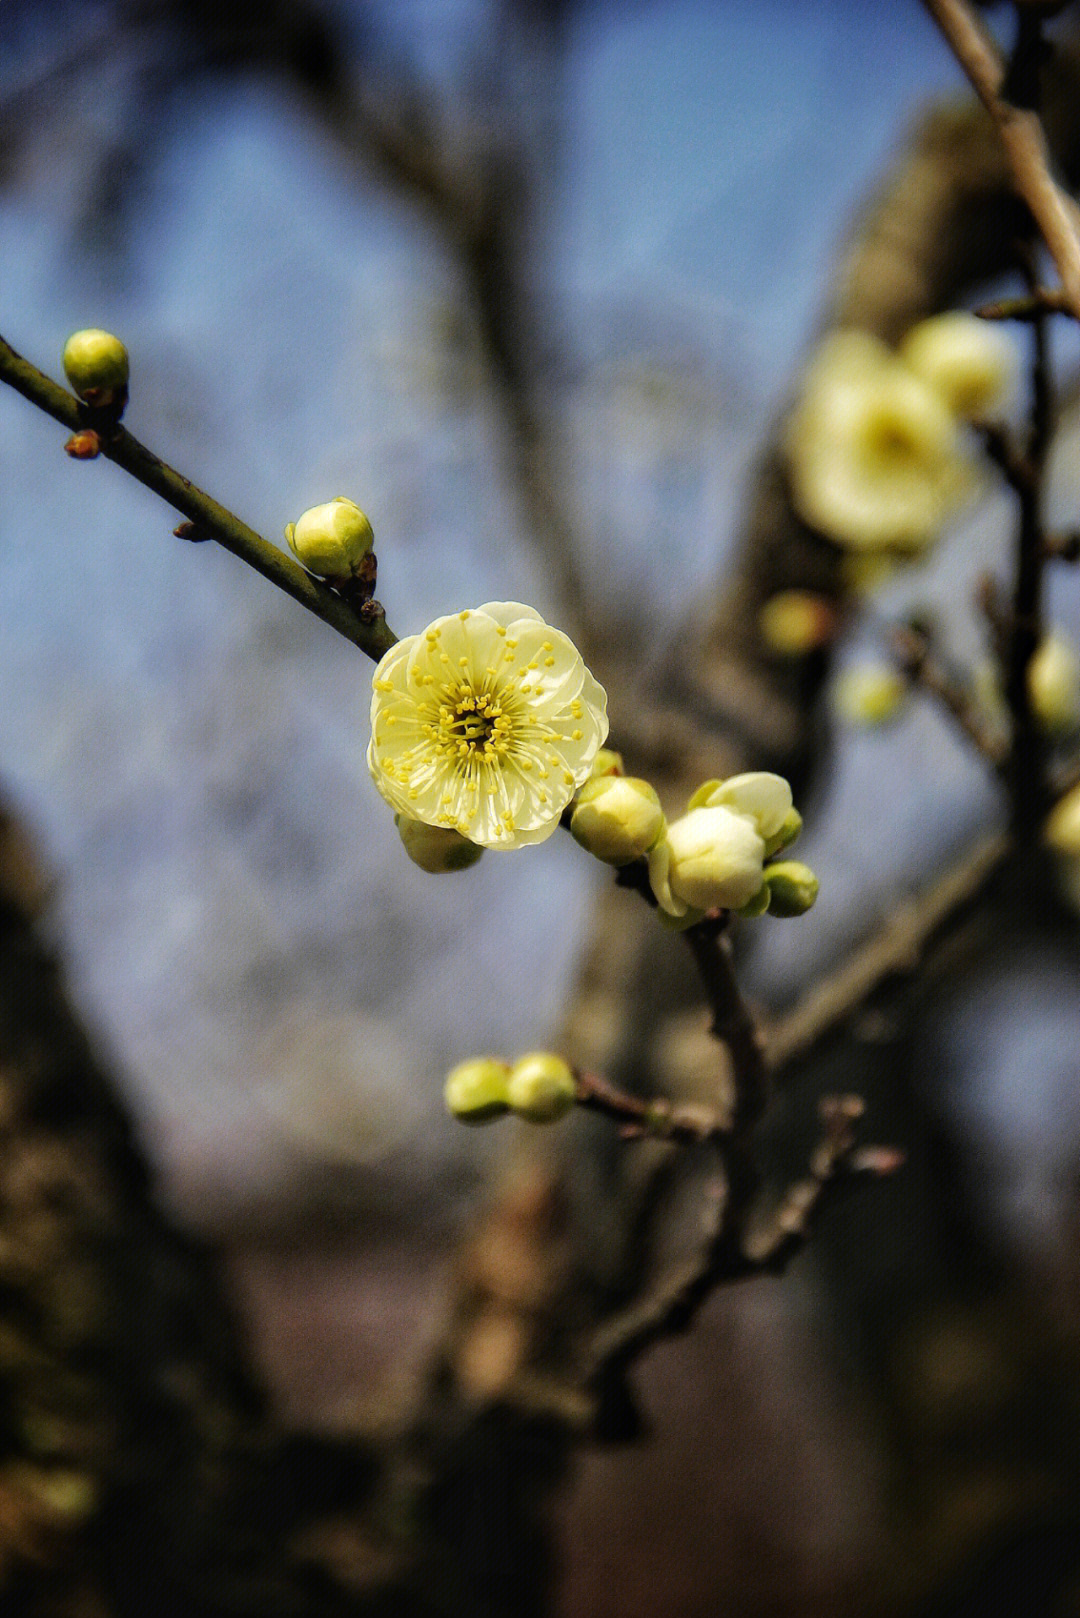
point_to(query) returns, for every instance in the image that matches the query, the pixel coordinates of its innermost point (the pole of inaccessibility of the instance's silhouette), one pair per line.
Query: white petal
(509, 612)
(764, 797)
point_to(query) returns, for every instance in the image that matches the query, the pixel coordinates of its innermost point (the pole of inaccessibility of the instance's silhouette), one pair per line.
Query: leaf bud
(618, 818)
(331, 540)
(475, 1090)
(541, 1087)
(436, 849)
(792, 888)
(96, 365)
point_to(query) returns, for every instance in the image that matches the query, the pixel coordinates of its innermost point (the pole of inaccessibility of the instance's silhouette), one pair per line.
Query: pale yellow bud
(756, 906)
(1062, 829)
(436, 849)
(869, 694)
(96, 365)
(475, 1091)
(618, 818)
(331, 540)
(1054, 686)
(794, 622)
(541, 1087)
(711, 859)
(971, 363)
(792, 888)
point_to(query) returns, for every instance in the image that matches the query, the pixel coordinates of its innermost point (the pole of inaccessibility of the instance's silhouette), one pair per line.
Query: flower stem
(373, 637)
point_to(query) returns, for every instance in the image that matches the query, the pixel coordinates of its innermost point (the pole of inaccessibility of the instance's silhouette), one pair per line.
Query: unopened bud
(475, 1090)
(711, 859)
(436, 849)
(618, 818)
(869, 694)
(792, 888)
(541, 1087)
(331, 540)
(1062, 829)
(1053, 677)
(794, 622)
(789, 830)
(96, 365)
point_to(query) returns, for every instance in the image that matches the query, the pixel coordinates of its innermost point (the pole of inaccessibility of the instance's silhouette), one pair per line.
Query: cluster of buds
(719, 855)
(539, 1087)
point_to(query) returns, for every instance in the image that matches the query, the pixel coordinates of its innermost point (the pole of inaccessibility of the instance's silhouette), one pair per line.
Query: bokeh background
(279, 989)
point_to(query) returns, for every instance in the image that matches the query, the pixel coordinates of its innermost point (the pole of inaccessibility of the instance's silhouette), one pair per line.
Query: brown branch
(658, 1118)
(925, 669)
(211, 519)
(1022, 136)
(899, 950)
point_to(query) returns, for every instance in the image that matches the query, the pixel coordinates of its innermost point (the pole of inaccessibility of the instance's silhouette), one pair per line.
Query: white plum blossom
(875, 454)
(488, 722)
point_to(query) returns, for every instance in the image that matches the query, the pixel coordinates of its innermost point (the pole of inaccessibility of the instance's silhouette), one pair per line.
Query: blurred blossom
(874, 453)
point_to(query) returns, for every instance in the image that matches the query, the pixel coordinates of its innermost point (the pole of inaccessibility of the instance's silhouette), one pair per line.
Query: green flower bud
(606, 762)
(541, 1087)
(792, 888)
(331, 540)
(96, 365)
(618, 818)
(792, 826)
(475, 1090)
(436, 849)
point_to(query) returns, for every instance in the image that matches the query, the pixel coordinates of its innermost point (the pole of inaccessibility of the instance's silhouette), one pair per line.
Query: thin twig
(1043, 301)
(898, 950)
(660, 1119)
(732, 1023)
(923, 668)
(1027, 763)
(211, 519)
(1022, 137)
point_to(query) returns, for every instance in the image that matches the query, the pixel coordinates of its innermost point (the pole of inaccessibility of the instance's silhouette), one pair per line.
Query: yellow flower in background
(970, 362)
(874, 452)
(488, 722)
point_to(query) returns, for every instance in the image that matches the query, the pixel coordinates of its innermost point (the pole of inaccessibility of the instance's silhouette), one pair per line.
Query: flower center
(473, 725)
